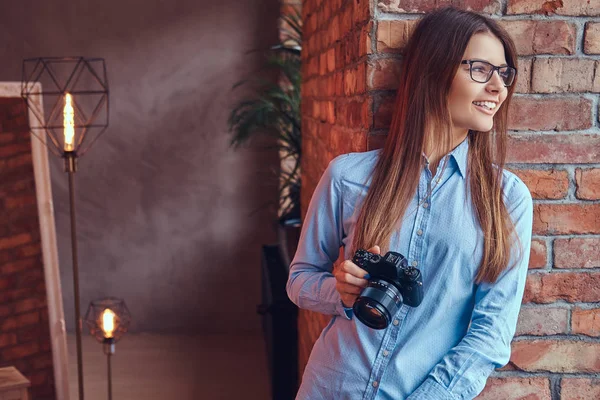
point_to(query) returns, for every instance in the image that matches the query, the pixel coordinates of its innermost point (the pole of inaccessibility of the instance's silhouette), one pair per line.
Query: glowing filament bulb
(108, 323)
(69, 123)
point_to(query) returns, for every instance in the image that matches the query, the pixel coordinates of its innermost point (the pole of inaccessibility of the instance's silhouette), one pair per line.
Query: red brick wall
(24, 330)
(351, 64)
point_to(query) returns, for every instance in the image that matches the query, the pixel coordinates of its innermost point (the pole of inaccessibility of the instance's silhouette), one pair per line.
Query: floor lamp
(69, 98)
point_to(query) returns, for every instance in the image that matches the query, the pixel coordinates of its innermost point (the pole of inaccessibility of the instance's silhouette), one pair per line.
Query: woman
(438, 194)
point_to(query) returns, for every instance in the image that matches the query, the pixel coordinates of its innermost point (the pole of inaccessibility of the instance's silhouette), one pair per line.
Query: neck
(432, 153)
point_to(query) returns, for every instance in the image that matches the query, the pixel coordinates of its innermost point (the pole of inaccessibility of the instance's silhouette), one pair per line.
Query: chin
(482, 127)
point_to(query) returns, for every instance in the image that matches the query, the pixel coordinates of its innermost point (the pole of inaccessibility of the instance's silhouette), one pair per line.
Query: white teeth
(487, 104)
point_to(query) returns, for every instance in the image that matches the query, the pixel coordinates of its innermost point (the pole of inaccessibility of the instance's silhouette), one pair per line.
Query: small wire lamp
(68, 96)
(108, 320)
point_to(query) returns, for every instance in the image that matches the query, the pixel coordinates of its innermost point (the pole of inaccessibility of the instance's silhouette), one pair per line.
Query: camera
(392, 282)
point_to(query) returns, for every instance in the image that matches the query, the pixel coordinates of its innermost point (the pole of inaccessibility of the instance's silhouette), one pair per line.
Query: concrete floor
(174, 367)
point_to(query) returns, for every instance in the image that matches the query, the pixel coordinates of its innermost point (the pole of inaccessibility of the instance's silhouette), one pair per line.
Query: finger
(353, 269)
(375, 250)
(348, 300)
(345, 288)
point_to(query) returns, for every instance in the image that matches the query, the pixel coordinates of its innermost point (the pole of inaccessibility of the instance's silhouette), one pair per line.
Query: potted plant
(274, 110)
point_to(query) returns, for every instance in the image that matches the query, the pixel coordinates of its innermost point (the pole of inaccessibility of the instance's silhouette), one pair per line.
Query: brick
(392, 36)
(542, 321)
(14, 241)
(365, 40)
(553, 149)
(523, 84)
(420, 6)
(328, 112)
(29, 304)
(579, 388)
(542, 37)
(591, 44)
(383, 73)
(21, 201)
(19, 265)
(38, 377)
(577, 253)
(564, 356)
(32, 333)
(516, 389)
(7, 137)
(537, 256)
(18, 321)
(560, 7)
(382, 111)
(20, 351)
(354, 113)
(25, 185)
(560, 75)
(346, 20)
(25, 221)
(354, 80)
(7, 339)
(552, 184)
(19, 161)
(587, 182)
(376, 141)
(14, 149)
(360, 12)
(544, 288)
(30, 278)
(347, 140)
(15, 294)
(42, 361)
(550, 113)
(566, 219)
(586, 322)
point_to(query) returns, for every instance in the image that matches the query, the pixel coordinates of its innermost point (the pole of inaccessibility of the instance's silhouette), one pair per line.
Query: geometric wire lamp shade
(108, 319)
(70, 102)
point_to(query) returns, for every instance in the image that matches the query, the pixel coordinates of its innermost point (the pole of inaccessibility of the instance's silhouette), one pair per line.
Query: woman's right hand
(350, 280)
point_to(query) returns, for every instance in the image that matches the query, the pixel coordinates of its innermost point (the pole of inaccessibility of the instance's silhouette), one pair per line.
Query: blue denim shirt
(446, 347)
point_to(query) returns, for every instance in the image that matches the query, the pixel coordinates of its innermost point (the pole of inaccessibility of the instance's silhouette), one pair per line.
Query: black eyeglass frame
(494, 68)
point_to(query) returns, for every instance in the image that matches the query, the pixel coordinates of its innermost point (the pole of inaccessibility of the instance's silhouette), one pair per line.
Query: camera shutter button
(414, 263)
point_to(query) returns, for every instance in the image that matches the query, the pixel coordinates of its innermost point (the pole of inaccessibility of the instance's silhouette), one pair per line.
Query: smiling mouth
(486, 105)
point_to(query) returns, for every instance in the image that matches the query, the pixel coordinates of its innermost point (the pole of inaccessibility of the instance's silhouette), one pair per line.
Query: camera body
(391, 283)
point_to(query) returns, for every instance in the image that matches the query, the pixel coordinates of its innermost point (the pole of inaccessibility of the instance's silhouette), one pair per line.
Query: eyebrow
(481, 59)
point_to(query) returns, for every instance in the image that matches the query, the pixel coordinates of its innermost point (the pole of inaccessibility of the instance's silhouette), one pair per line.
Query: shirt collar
(459, 155)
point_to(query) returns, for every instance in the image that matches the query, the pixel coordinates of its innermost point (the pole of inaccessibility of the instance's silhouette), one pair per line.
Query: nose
(495, 84)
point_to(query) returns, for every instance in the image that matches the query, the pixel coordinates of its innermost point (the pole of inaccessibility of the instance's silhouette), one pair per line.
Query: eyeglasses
(482, 71)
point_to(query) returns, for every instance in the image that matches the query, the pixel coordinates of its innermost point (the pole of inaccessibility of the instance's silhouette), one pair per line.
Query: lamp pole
(70, 168)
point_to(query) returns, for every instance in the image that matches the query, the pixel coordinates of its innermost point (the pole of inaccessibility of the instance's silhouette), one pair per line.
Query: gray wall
(163, 204)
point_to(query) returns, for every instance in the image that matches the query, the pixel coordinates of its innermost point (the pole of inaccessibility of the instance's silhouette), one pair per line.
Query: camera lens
(378, 303)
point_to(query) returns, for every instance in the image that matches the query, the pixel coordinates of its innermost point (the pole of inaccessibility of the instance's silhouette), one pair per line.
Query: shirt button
(425, 205)
(375, 384)
(386, 353)
(414, 263)
(419, 232)
(396, 322)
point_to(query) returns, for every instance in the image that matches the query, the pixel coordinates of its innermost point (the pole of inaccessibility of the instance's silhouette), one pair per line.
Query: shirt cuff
(344, 311)
(430, 389)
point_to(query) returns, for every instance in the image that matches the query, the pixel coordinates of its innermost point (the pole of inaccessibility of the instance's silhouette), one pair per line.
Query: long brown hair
(430, 62)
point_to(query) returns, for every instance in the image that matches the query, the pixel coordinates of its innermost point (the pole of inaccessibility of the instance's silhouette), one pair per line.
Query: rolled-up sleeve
(463, 371)
(311, 284)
